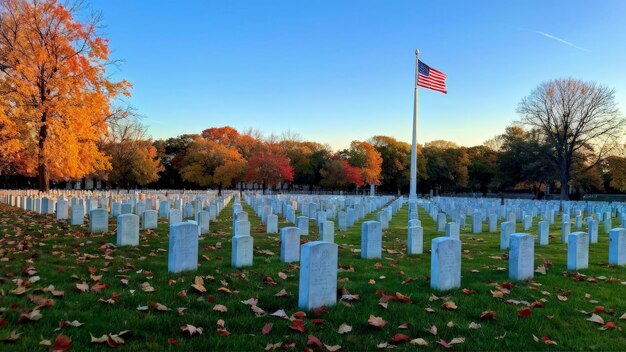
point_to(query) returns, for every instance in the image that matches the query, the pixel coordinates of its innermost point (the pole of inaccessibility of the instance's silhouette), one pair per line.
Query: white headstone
(302, 222)
(521, 257)
(327, 231)
(577, 251)
(445, 264)
(289, 244)
(98, 221)
(371, 239)
(318, 275)
(128, 230)
(543, 232)
(506, 230)
(271, 223)
(149, 219)
(617, 246)
(415, 240)
(453, 231)
(183, 247)
(242, 247)
(78, 214)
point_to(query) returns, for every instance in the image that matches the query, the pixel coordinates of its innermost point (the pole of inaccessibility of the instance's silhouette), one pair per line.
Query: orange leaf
(376, 321)
(61, 343)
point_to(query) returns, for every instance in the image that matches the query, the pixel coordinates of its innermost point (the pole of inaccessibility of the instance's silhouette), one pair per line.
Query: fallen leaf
(312, 340)
(419, 342)
(400, 338)
(376, 321)
(267, 328)
(449, 305)
(596, 319)
(220, 308)
(474, 326)
(191, 330)
(488, 315)
(524, 312)
(344, 329)
(333, 348)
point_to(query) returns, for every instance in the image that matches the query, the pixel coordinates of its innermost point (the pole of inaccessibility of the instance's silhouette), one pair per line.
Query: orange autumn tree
(55, 96)
(364, 156)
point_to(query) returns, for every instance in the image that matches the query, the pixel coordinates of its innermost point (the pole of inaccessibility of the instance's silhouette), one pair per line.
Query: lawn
(121, 280)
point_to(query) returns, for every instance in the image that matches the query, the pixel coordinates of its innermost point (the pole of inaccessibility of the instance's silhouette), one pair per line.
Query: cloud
(550, 36)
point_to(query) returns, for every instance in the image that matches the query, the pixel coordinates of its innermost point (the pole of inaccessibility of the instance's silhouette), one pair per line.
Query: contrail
(550, 36)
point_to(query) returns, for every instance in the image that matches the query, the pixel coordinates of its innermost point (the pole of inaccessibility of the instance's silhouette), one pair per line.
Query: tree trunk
(219, 190)
(42, 169)
(263, 187)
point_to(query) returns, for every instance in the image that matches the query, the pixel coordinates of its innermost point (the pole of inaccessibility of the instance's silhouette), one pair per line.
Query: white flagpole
(413, 188)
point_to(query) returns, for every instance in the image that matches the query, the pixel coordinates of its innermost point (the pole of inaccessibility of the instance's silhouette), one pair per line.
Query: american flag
(430, 78)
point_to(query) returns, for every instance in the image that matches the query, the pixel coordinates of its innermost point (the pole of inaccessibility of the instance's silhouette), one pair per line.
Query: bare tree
(579, 120)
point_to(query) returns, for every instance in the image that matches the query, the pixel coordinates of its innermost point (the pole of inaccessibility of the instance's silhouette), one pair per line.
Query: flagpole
(413, 186)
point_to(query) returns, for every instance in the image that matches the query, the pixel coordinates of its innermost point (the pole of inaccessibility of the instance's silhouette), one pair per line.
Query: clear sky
(337, 71)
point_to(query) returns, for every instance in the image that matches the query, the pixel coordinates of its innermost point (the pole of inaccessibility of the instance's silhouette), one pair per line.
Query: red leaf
(400, 338)
(467, 292)
(320, 310)
(599, 309)
(317, 321)
(297, 325)
(172, 341)
(267, 328)
(312, 340)
(61, 343)
(443, 343)
(524, 312)
(299, 315)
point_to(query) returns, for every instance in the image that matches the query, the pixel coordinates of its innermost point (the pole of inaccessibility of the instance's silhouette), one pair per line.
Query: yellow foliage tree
(55, 97)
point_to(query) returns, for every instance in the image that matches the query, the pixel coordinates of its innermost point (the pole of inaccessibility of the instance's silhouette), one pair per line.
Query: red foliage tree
(269, 166)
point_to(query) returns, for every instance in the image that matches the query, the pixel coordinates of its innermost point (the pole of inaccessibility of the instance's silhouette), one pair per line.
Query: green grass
(57, 251)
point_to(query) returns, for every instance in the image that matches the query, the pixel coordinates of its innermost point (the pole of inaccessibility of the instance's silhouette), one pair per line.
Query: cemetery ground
(113, 290)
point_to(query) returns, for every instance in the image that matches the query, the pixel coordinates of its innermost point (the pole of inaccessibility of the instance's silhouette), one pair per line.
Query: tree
(364, 156)
(207, 162)
(339, 174)
(615, 166)
(396, 164)
(579, 120)
(523, 161)
(134, 159)
(446, 165)
(482, 167)
(307, 159)
(269, 166)
(55, 94)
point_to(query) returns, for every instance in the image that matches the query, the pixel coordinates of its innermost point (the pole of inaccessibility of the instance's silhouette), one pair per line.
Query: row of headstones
(521, 210)
(318, 259)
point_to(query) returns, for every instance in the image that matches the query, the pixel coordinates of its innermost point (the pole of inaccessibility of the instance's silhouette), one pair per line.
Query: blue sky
(337, 71)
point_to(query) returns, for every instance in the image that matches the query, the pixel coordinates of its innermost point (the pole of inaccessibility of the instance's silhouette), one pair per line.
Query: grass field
(64, 256)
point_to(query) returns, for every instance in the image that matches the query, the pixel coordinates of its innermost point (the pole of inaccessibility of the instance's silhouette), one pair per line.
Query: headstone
(506, 230)
(371, 239)
(415, 241)
(128, 230)
(183, 247)
(203, 221)
(318, 275)
(78, 215)
(303, 224)
(441, 222)
(62, 209)
(522, 257)
(242, 247)
(149, 219)
(327, 231)
(383, 218)
(577, 251)
(592, 226)
(565, 231)
(98, 221)
(445, 264)
(453, 231)
(164, 209)
(617, 246)
(493, 223)
(543, 232)
(289, 244)
(127, 208)
(175, 216)
(342, 220)
(272, 223)
(477, 223)
(243, 228)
